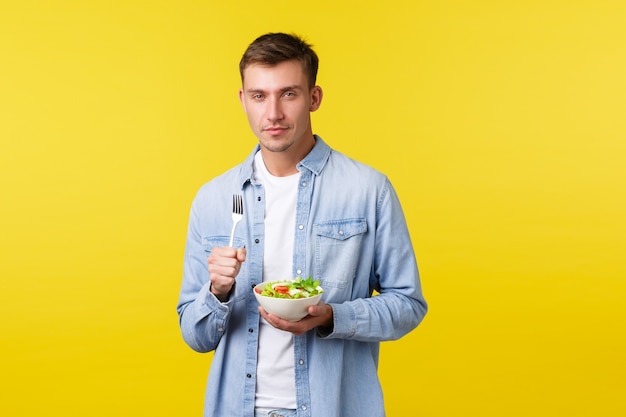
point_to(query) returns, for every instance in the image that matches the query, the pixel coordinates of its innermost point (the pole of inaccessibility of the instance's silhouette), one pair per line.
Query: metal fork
(237, 215)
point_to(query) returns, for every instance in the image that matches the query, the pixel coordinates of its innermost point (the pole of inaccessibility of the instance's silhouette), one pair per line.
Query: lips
(275, 130)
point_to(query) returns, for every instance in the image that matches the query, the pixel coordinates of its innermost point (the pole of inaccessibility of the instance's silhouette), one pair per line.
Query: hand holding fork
(222, 283)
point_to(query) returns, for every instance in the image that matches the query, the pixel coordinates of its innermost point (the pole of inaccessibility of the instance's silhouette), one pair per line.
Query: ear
(316, 98)
(241, 99)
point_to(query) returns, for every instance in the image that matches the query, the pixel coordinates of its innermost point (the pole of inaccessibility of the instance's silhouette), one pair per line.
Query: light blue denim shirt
(351, 235)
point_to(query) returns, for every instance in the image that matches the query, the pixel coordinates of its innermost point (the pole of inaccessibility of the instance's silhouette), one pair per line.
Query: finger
(224, 251)
(223, 261)
(317, 310)
(314, 311)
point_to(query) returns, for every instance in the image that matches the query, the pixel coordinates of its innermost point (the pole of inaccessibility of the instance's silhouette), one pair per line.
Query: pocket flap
(341, 229)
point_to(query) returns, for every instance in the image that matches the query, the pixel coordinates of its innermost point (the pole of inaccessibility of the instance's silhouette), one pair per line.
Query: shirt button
(299, 271)
(258, 198)
(301, 362)
(300, 227)
(256, 240)
(304, 183)
(220, 329)
(341, 232)
(248, 376)
(251, 330)
(303, 407)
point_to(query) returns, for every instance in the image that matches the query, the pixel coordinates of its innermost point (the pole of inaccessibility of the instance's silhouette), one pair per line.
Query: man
(308, 211)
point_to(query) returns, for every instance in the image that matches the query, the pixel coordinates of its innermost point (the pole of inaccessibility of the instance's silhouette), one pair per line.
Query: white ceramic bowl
(286, 308)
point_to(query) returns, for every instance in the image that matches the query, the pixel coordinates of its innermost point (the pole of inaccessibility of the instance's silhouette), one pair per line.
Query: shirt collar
(314, 161)
(317, 158)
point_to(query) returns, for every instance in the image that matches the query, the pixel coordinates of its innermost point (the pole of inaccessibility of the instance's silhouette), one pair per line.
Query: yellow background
(501, 124)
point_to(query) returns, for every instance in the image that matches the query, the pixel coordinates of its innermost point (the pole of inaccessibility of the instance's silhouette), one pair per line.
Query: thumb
(316, 310)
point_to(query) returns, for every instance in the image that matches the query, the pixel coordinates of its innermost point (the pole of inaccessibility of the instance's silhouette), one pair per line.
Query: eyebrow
(282, 90)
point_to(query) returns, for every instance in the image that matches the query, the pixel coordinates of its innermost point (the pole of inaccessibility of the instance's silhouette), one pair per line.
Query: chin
(276, 145)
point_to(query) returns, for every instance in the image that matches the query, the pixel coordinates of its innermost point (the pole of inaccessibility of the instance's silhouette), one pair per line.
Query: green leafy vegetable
(292, 289)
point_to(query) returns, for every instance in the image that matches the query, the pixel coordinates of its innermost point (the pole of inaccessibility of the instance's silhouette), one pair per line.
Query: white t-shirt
(275, 384)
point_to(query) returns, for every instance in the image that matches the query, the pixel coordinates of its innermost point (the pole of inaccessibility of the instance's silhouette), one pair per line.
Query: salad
(291, 289)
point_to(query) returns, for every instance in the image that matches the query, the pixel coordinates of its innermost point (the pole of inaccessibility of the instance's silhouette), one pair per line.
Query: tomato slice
(282, 289)
(258, 290)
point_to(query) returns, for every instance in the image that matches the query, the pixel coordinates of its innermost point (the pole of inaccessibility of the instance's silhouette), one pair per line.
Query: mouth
(275, 130)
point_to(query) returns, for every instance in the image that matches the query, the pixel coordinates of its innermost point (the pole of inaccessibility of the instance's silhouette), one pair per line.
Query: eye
(257, 96)
(289, 94)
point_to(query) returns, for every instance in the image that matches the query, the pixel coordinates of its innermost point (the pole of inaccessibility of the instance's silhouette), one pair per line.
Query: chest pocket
(337, 252)
(210, 242)
(341, 229)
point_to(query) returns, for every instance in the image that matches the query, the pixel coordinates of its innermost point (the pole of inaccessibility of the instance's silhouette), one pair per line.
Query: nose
(274, 110)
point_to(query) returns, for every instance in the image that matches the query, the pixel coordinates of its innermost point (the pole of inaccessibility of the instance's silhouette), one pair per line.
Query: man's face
(278, 102)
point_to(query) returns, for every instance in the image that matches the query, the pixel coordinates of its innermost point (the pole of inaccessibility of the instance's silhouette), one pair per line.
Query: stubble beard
(277, 145)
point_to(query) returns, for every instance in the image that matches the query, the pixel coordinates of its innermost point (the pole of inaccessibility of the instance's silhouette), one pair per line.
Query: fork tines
(237, 204)
(237, 215)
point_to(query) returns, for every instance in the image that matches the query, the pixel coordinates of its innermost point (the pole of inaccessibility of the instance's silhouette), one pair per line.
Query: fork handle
(232, 236)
